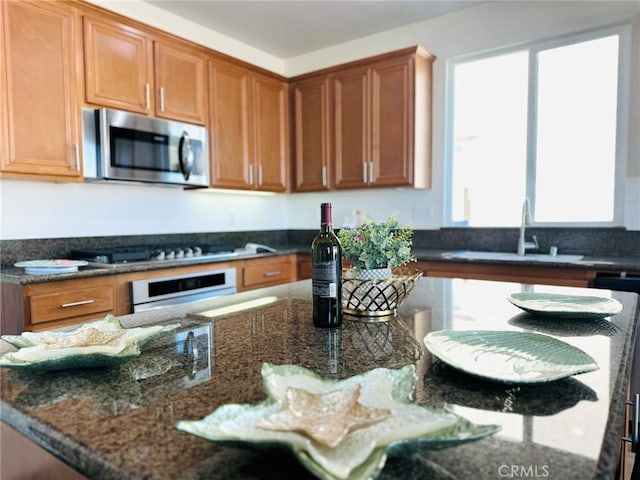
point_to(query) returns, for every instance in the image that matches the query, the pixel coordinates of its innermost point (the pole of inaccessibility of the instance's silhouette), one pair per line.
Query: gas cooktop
(118, 256)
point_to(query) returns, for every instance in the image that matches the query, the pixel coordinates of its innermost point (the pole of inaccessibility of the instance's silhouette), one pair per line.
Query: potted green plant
(375, 249)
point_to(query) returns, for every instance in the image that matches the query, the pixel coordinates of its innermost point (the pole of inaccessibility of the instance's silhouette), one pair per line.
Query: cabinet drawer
(269, 274)
(70, 303)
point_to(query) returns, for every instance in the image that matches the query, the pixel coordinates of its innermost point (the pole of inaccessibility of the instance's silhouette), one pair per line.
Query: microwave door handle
(185, 155)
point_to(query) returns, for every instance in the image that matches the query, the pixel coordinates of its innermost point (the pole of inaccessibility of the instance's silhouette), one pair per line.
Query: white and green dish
(49, 266)
(35, 350)
(565, 306)
(509, 357)
(362, 453)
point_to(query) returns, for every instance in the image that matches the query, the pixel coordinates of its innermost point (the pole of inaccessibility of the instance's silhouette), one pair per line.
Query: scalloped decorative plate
(509, 357)
(362, 453)
(31, 353)
(565, 306)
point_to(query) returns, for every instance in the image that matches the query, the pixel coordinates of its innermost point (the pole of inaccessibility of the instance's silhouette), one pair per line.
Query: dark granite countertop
(612, 263)
(600, 263)
(119, 423)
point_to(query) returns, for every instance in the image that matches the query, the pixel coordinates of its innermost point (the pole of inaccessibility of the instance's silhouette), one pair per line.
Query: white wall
(46, 210)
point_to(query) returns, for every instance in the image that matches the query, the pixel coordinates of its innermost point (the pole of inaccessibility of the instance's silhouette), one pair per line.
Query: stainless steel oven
(125, 147)
(176, 289)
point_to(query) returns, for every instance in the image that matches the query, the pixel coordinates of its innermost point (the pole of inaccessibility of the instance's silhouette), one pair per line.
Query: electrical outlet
(422, 213)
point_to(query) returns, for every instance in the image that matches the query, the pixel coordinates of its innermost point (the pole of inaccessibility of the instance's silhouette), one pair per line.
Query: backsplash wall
(584, 241)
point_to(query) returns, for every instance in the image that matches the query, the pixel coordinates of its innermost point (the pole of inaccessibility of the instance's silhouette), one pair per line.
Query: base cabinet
(269, 271)
(48, 305)
(43, 306)
(507, 273)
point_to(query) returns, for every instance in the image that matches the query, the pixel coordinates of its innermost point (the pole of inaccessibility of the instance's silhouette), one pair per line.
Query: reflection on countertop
(120, 423)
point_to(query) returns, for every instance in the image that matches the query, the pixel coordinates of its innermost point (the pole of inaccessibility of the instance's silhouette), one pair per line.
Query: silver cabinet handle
(162, 99)
(272, 274)
(370, 172)
(634, 440)
(147, 96)
(364, 172)
(260, 174)
(250, 174)
(324, 175)
(77, 304)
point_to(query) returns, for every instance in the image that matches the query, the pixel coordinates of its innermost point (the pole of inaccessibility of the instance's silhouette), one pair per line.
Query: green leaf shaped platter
(103, 343)
(362, 452)
(509, 357)
(565, 306)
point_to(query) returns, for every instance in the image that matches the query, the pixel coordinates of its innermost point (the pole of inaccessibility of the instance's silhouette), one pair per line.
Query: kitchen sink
(510, 256)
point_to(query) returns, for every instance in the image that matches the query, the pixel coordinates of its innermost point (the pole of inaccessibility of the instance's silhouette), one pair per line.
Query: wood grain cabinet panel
(248, 115)
(311, 128)
(263, 272)
(567, 277)
(180, 78)
(229, 134)
(54, 304)
(118, 65)
(304, 266)
(351, 128)
(38, 91)
(383, 123)
(379, 132)
(130, 69)
(271, 133)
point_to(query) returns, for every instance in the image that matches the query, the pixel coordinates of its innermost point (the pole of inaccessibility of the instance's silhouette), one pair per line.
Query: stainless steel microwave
(125, 147)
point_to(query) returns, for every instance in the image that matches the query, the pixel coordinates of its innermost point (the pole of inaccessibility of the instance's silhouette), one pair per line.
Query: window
(541, 122)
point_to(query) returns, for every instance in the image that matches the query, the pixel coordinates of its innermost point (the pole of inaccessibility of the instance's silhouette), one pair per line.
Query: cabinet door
(351, 128)
(229, 90)
(40, 123)
(180, 79)
(312, 134)
(118, 66)
(271, 133)
(392, 123)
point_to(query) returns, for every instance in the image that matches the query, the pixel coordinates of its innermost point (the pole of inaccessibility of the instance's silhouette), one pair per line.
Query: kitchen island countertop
(120, 422)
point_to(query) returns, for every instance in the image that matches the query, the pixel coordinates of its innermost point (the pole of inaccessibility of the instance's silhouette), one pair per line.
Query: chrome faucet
(523, 245)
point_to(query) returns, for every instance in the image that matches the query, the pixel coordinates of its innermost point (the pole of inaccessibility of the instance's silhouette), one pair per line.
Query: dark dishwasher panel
(627, 282)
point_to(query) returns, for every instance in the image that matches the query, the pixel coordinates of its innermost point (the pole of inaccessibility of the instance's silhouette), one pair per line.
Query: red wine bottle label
(324, 280)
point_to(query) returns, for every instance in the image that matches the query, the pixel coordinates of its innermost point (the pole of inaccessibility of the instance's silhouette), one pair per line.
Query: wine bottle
(326, 273)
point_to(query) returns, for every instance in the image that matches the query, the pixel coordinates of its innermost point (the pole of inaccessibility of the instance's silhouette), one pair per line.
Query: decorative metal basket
(376, 298)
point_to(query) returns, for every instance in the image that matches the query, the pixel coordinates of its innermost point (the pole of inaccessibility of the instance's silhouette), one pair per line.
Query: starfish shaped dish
(374, 413)
(97, 344)
(326, 417)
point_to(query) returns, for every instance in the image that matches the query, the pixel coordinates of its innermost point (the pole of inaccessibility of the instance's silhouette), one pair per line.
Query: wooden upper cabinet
(118, 66)
(40, 124)
(352, 127)
(392, 125)
(270, 133)
(180, 79)
(380, 131)
(229, 135)
(248, 118)
(128, 69)
(383, 123)
(311, 119)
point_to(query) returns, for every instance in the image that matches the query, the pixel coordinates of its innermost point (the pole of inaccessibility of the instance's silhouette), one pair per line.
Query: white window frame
(622, 118)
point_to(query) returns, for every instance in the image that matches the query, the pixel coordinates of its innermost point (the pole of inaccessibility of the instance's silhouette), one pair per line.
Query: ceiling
(289, 28)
